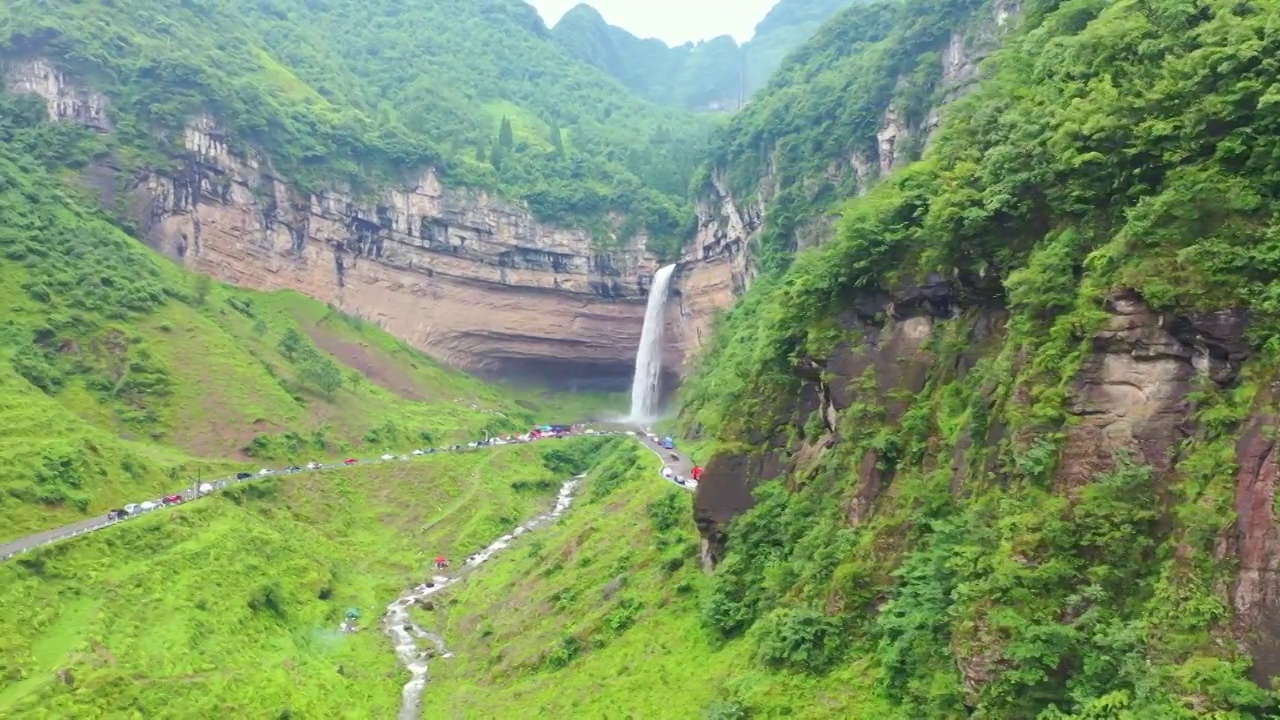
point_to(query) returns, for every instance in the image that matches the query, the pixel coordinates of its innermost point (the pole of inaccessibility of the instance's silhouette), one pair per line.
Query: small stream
(415, 645)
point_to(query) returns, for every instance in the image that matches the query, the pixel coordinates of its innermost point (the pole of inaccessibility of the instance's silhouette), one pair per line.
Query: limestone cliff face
(473, 280)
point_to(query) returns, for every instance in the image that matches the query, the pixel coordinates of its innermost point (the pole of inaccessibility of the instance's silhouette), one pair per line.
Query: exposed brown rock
(1129, 395)
(724, 492)
(1256, 547)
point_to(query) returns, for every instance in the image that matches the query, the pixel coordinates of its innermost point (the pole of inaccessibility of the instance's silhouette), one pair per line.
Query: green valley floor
(232, 606)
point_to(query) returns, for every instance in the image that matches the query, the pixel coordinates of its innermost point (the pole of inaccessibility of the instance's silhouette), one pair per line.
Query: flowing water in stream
(410, 639)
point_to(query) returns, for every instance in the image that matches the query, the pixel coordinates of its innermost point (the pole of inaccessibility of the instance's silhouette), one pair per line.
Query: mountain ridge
(713, 75)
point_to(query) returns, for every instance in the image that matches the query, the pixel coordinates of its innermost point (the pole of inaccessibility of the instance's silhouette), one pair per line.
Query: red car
(349, 461)
(173, 499)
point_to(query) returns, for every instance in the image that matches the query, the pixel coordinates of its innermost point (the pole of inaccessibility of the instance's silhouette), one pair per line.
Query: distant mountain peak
(713, 74)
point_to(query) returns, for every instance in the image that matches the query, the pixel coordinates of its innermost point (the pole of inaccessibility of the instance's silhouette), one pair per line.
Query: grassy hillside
(600, 616)
(233, 604)
(1120, 150)
(124, 375)
(370, 93)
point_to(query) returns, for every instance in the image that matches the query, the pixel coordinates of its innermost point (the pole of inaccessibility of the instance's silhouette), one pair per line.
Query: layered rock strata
(472, 279)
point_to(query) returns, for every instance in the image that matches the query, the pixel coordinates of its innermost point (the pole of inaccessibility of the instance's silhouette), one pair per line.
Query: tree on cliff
(557, 139)
(506, 138)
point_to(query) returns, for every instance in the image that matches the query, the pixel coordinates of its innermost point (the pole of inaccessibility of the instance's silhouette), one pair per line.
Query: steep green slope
(368, 94)
(822, 109)
(233, 604)
(123, 375)
(1122, 154)
(715, 74)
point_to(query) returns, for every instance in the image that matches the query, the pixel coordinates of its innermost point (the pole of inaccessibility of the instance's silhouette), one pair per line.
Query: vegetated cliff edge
(1005, 436)
(858, 100)
(474, 280)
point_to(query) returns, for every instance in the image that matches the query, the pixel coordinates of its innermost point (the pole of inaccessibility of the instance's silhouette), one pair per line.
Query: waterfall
(645, 386)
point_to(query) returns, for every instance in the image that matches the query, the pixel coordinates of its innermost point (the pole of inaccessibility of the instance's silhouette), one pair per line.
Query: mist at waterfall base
(646, 386)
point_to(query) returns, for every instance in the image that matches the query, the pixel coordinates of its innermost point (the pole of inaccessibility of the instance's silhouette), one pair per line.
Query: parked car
(148, 506)
(132, 509)
(292, 469)
(206, 488)
(350, 461)
(388, 456)
(117, 514)
(417, 452)
(265, 471)
(173, 499)
(243, 476)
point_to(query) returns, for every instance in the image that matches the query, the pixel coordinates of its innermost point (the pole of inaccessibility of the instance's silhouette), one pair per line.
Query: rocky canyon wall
(1152, 389)
(468, 277)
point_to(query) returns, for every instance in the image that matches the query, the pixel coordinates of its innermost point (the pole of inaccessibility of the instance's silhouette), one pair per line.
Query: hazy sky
(675, 21)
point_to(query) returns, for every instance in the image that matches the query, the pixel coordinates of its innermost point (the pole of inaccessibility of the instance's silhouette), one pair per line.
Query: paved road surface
(14, 547)
(682, 466)
(8, 550)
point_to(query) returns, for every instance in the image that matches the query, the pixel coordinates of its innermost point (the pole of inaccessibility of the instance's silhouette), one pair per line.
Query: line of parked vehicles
(134, 509)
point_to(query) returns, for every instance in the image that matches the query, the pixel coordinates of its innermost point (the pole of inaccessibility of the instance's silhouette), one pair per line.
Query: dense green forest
(367, 94)
(1113, 146)
(716, 74)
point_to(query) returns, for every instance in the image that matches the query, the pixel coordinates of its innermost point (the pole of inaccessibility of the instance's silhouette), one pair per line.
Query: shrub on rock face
(799, 639)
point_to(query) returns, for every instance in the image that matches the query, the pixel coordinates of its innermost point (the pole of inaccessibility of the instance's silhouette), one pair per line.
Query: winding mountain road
(22, 545)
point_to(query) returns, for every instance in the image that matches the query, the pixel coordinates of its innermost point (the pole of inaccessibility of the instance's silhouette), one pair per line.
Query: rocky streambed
(414, 645)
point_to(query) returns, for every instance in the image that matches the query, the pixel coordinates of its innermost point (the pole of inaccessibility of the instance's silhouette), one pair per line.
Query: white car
(313, 465)
(133, 508)
(205, 488)
(417, 452)
(668, 473)
(388, 456)
(149, 506)
(264, 471)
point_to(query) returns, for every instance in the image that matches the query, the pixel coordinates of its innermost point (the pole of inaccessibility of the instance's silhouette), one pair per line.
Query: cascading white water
(645, 386)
